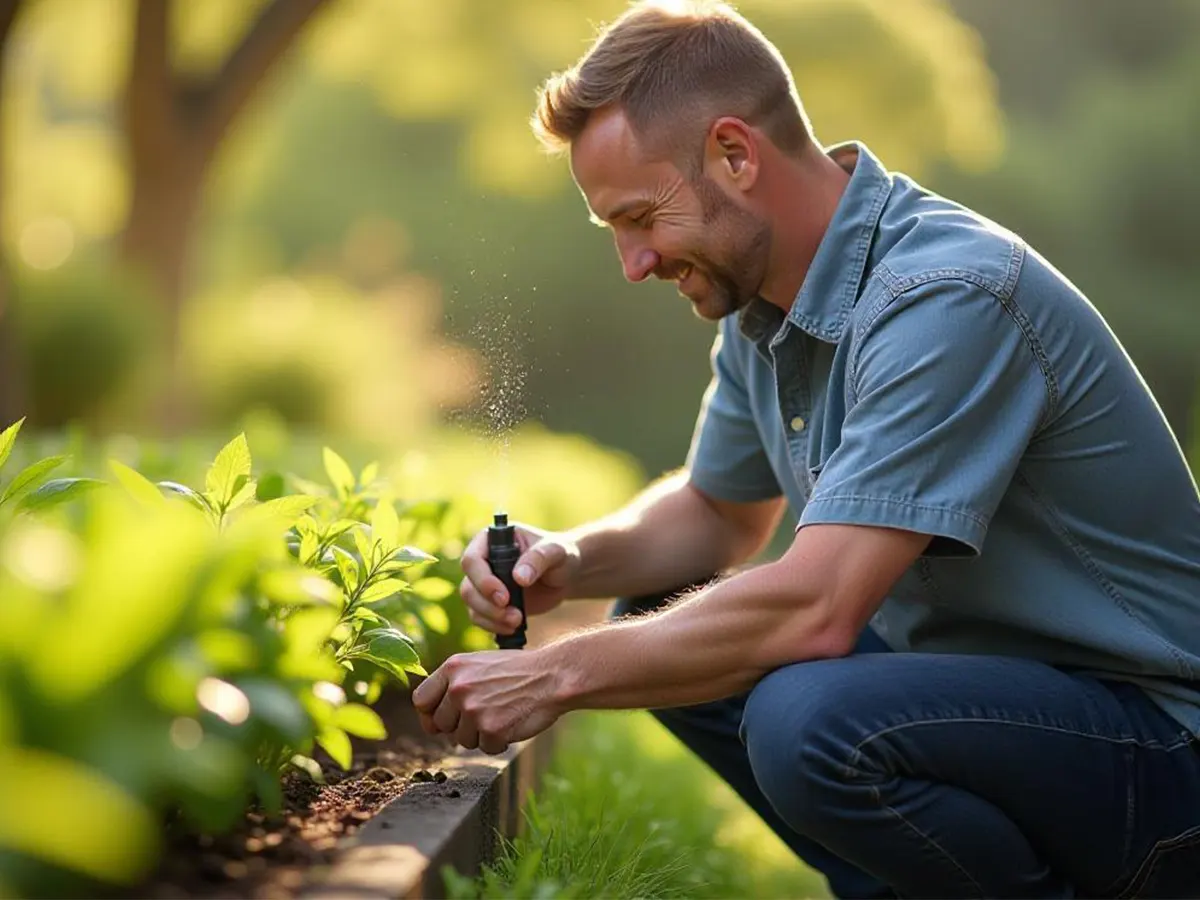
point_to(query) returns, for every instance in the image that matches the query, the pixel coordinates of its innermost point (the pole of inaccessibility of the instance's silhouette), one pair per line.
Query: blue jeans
(937, 775)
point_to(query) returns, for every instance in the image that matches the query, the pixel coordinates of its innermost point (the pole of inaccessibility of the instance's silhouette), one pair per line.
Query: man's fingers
(480, 575)
(486, 613)
(446, 717)
(509, 624)
(427, 724)
(536, 560)
(491, 744)
(429, 692)
(466, 735)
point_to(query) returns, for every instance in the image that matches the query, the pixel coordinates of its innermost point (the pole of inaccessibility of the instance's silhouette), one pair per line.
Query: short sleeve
(727, 459)
(946, 394)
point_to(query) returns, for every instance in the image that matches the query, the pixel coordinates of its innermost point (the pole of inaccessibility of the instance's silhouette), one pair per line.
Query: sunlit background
(326, 222)
(334, 217)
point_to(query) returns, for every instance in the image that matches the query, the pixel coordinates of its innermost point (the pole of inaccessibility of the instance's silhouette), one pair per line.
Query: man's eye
(641, 220)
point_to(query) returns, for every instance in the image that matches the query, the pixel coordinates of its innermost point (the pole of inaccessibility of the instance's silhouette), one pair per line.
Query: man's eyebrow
(618, 211)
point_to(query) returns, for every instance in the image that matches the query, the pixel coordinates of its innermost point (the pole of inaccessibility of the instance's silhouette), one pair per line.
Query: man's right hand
(544, 570)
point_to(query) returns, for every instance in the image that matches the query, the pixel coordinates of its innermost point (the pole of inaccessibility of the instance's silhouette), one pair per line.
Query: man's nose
(637, 259)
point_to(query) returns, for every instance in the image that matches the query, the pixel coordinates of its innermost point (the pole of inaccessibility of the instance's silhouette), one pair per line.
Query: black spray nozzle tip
(500, 520)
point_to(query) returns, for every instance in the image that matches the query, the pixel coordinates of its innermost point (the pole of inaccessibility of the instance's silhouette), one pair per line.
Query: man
(976, 671)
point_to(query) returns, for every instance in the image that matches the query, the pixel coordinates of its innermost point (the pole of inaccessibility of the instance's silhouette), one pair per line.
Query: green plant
(32, 489)
(161, 657)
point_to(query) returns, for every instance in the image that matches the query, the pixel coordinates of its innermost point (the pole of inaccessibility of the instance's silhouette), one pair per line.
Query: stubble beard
(734, 281)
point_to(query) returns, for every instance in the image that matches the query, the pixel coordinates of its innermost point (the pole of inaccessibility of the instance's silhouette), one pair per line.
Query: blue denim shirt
(935, 374)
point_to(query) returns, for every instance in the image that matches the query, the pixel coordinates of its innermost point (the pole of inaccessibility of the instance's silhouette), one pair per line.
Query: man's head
(669, 119)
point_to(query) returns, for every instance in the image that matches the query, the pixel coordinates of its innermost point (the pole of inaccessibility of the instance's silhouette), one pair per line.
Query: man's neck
(804, 194)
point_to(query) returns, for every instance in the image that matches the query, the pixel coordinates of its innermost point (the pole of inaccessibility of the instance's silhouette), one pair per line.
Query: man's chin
(710, 310)
(713, 307)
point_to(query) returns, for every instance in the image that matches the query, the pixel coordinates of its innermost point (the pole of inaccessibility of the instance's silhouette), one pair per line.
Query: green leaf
(363, 543)
(30, 477)
(243, 494)
(309, 766)
(283, 510)
(307, 630)
(309, 545)
(195, 498)
(56, 491)
(139, 486)
(299, 587)
(360, 721)
(276, 706)
(268, 790)
(291, 506)
(231, 464)
(381, 589)
(336, 743)
(369, 615)
(369, 473)
(340, 527)
(385, 524)
(347, 567)
(143, 569)
(270, 487)
(412, 555)
(8, 438)
(339, 473)
(389, 649)
(108, 835)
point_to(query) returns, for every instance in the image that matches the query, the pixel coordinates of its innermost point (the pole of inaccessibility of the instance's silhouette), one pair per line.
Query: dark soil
(271, 856)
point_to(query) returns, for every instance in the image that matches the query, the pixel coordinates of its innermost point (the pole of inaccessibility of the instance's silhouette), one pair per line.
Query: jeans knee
(799, 739)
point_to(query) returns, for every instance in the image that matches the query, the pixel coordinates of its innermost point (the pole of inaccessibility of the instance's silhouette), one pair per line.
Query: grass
(626, 811)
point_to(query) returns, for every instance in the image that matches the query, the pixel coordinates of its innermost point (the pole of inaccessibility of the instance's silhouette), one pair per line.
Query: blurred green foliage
(82, 330)
(164, 656)
(167, 648)
(361, 166)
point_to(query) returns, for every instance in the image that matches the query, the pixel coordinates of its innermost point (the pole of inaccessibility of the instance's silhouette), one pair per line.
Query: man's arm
(810, 604)
(671, 535)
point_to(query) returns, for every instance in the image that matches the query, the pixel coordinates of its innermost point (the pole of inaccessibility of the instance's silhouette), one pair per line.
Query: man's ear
(731, 153)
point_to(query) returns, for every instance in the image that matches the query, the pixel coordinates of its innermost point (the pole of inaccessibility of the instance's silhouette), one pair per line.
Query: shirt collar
(831, 287)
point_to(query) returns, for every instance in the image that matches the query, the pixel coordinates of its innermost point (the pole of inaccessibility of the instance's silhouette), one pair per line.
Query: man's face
(665, 225)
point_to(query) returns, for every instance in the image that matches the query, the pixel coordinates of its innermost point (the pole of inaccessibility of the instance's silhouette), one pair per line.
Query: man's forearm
(666, 538)
(719, 641)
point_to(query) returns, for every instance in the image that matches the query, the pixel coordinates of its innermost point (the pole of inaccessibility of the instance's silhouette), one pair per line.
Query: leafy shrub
(82, 333)
(165, 648)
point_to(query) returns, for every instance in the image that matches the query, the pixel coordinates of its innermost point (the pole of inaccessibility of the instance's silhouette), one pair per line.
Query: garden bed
(407, 806)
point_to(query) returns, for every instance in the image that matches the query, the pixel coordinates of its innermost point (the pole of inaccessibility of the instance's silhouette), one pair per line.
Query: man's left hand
(489, 699)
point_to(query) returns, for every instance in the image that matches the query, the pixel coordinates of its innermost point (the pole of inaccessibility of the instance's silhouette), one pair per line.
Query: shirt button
(797, 424)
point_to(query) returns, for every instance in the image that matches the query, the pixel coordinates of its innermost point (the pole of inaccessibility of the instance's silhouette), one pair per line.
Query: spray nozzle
(503, 553)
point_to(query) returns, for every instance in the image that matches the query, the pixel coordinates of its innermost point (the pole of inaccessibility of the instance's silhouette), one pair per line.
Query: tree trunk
(12, 374)
(173, 130)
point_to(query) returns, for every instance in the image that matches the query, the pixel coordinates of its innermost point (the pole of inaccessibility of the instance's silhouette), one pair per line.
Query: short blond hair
(673, 67)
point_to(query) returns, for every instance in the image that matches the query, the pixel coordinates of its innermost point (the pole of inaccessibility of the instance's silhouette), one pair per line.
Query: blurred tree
(173, 126)
(172, 115)
(527, 279)
(909, 75)
(121, 107)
